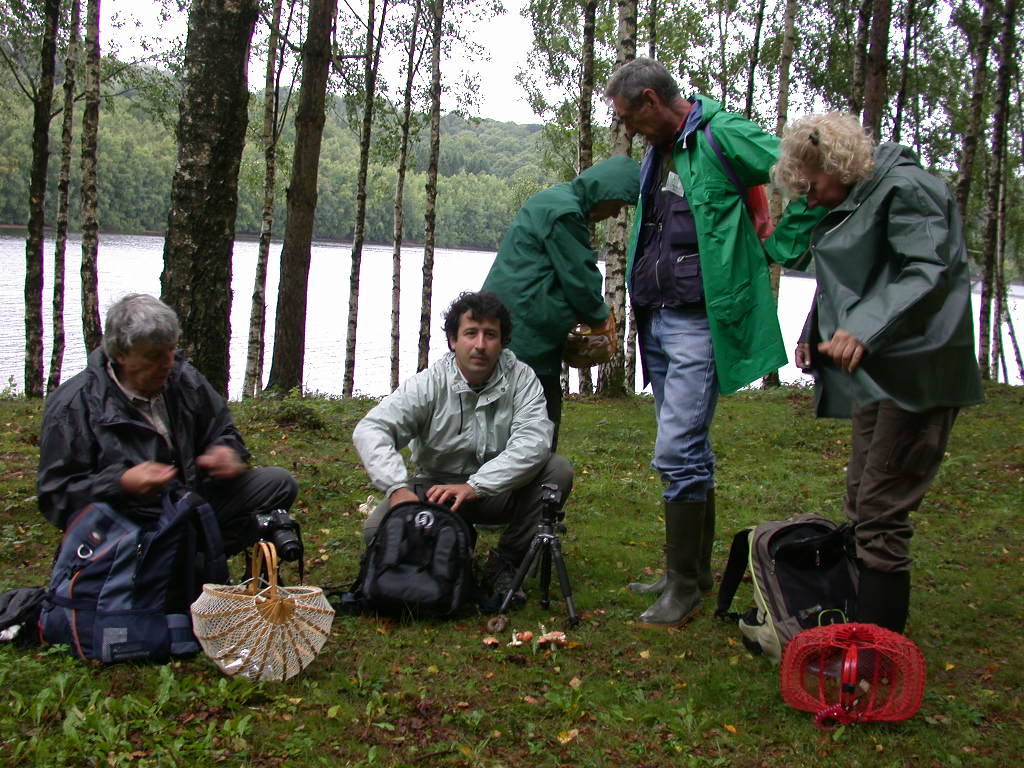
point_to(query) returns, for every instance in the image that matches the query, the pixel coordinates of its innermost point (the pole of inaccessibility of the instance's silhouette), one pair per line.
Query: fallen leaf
(730, 728)
(566, 736)
(645, 654)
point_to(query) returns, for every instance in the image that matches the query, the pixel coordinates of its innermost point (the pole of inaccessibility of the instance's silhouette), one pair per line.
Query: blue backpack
(108, 595)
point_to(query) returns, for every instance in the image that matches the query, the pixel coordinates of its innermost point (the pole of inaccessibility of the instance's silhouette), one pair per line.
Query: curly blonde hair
(834, 143)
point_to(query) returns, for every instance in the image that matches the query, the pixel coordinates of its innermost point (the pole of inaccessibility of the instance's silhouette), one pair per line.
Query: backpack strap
(735, 567)
(727, 167)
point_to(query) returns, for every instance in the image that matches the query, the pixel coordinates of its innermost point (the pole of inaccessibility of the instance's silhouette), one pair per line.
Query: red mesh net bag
(852, 673)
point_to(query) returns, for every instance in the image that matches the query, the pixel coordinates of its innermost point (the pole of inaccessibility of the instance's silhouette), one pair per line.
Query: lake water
(132, 263)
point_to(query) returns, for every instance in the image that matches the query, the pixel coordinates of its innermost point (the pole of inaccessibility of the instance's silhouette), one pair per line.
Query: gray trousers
(518, 510)
(894, 457)
(236, 500)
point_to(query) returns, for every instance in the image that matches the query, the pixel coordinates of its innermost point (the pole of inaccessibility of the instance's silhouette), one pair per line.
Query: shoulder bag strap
(727, 167)
(739, 553)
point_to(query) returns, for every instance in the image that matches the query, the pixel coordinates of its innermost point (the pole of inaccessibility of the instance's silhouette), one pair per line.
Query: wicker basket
(258, 629)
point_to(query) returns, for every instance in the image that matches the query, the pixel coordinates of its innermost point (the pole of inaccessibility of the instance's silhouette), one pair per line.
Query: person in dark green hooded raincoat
(546, 271)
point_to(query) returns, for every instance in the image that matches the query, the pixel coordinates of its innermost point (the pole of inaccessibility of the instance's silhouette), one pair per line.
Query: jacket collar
(495, 385)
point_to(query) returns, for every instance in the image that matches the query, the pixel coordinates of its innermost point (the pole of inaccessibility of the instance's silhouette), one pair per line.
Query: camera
(281, 530)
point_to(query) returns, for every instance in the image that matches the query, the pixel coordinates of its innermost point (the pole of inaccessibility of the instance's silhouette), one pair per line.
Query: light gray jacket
(496, 439)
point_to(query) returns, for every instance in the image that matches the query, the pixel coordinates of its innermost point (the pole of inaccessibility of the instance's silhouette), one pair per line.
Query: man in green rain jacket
(546, 272)
(698, 282)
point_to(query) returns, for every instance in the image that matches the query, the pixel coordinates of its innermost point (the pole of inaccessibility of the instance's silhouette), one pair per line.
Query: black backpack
(419, 562)
(803, 575)
(121, 591)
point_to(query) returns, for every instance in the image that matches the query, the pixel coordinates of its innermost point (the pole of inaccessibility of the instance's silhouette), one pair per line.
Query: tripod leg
(563, 582)
(517, 581)
(545, 575)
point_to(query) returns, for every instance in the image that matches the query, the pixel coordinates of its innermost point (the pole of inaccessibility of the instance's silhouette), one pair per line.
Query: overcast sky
(507, 40)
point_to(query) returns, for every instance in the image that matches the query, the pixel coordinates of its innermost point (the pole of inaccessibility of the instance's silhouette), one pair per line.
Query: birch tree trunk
(437, 10)
(371, 63)
(411, 61)
(876, 83)
(290, 325)
(1000, 118)
(860, 54)
(782, 117)
(755, 53)
(91, 327)
(909, 26)
(586, 145)
(41, 105)
(63, 193)
(973, 134)
(196, 280)
(253, 380)
(611, 377)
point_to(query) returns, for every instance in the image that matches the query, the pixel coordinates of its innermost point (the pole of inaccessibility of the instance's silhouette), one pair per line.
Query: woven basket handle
(264, 552)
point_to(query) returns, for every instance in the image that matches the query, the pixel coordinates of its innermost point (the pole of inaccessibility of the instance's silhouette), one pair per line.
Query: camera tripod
(545, 543)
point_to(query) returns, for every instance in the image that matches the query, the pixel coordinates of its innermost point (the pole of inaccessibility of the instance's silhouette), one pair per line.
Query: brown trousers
(894, 457)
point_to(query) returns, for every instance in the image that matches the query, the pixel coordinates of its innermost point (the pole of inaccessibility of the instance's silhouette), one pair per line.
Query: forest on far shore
(485, 171)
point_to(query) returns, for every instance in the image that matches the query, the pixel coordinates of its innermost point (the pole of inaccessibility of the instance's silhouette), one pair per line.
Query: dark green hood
(617, 178)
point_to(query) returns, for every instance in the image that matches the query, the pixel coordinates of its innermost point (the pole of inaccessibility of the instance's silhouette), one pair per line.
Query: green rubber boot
(680, 600)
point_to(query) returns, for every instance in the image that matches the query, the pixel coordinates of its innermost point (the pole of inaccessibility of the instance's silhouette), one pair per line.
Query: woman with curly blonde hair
(890, 338)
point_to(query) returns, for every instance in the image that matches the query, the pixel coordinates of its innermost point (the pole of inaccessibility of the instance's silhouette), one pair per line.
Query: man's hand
(221, 462)
(845, 350)
(441, 494)
(147, 477)
(802, 356)
(402, 494)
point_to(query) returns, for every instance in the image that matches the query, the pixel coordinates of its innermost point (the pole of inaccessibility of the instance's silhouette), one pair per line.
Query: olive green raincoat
(545, 271)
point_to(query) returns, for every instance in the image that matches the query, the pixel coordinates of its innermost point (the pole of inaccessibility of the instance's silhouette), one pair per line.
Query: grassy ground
(431, 693)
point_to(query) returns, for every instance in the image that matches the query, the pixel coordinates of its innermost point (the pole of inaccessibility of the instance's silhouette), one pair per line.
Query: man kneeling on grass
(477, 425)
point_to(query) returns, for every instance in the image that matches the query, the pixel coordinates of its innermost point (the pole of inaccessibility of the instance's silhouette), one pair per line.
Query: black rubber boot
(648, 587)
(705, 578)
(883, 598)
(680, 600)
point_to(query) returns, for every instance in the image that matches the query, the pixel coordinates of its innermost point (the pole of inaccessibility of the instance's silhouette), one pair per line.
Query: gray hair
(139, 318)
(634, 77)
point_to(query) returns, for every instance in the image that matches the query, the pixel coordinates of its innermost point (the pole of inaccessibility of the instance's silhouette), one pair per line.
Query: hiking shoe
(499, 576)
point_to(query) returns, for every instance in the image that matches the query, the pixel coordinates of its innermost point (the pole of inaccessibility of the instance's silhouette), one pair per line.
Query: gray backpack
(803, 575)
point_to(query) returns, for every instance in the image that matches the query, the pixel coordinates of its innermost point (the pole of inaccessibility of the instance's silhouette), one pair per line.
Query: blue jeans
(680, 362)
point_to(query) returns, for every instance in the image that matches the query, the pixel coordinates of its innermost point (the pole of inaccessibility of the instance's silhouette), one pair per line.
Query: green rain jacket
(742, 315)
(545, 271)
(892, 270)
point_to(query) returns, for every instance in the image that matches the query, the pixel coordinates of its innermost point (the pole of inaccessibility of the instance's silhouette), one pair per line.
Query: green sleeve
(790, 243)
(575, 266)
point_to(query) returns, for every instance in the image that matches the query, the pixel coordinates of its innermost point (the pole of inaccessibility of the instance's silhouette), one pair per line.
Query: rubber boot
(883, 598)
(705, 578)
(648, 588)
(680, 600)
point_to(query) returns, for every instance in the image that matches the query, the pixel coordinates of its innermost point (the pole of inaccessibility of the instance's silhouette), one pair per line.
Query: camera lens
(287, 545)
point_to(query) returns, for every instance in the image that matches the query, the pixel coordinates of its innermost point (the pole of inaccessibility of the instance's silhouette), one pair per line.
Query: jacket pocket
(732, 307)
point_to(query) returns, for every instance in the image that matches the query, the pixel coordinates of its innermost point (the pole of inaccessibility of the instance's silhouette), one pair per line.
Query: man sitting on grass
(477, 426)
(140, 419)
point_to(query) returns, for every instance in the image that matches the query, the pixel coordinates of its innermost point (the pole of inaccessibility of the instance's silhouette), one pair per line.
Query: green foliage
(483, 166)
(398, 694)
